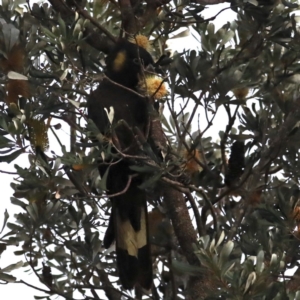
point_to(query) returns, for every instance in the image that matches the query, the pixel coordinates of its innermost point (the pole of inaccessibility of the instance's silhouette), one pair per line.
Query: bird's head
(127, 62)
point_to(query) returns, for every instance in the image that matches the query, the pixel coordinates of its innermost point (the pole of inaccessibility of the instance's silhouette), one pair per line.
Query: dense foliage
(228, 218)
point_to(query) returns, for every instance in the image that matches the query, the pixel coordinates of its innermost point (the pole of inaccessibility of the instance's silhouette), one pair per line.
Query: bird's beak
(155, 70)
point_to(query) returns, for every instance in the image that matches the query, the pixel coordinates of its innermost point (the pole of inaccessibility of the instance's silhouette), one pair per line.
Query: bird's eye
(136, 61)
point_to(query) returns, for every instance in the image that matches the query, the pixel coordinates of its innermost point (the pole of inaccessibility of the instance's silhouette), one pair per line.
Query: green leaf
(250, 280)
(11, 157)
(5, 142)
(6, 216)
(211, 29)
(75, 103)
(143, 169)
(7, 277)
(17, 202)
(103, 181)
(62, 26)
(181, 268)
(33, 211)
(2, 248)
(290, 4)
(52, 209)
(150, 182)
(13, 267)
(274, 260)
(221, 239)
(260, 261)
(227, 37)
(49, 34)
(225, 252)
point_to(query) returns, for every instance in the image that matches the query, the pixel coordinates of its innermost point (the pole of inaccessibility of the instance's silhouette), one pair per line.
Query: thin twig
(86, 15)
(196, 213)
(125, 189)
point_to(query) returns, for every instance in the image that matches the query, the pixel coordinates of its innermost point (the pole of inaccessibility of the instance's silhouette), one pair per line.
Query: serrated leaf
(210, 29)
(260, 261)
(290, 4)
(102, 183)
(6, 216)
(13, 267)
(3, 124)
(62, 26)
(96, 281)
(97, 246)
(212, 246)
(14, 227)
(204, 43)
(110, 114)
(33, 211)
(52, 209)
(143, 169)
(48, 33)
(274, 260)
(75, 103)
(221, 238)
(19, 253)
(11, 157)
(2, 248)
(166, 124)
(64, 75)
(250, 280)
(7, 277)
(181, 34)
(5, 142)
(184, 268)
(18, 202)
(204, 240)
(226, 271)
(16, 76)
(150, 182)
(11, 35)
(227, 37)
(225, 252)
(297, 296)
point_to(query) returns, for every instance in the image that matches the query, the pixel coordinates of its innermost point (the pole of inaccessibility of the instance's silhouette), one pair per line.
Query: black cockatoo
(125, 66)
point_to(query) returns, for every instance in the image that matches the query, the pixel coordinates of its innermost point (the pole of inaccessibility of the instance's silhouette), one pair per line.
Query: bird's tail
(128, 226)
(133, 251)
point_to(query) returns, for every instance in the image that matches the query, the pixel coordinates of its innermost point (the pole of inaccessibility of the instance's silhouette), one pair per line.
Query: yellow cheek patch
(119, 61)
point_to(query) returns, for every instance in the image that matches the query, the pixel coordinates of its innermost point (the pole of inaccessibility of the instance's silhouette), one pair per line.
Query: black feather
(128, 221)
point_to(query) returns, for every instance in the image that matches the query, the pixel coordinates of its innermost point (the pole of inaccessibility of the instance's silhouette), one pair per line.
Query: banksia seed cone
(142, 41)
(16, 88)
(153, 86)
(241, 93)
(192, 157)
(14, 61)
(38, 134)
